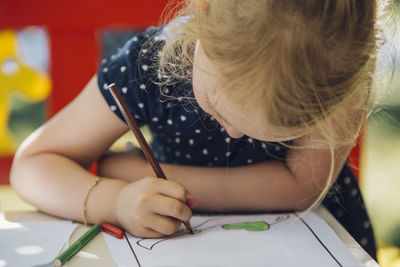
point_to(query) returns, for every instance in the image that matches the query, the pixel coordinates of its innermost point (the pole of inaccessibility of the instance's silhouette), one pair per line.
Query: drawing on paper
(282, 239)
(208, 224)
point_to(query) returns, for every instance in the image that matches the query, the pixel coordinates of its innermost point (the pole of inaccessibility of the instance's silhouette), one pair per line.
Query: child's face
(230, 115)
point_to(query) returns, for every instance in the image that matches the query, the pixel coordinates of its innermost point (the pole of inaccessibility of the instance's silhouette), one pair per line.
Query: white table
(99, 249)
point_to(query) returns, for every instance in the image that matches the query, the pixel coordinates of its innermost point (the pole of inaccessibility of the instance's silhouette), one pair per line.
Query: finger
(147, 233)
(173, 189)
(169, 206)
(163, 224)
(191, 201)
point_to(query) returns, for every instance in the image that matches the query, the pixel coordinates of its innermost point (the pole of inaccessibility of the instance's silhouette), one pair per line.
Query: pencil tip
(188, 227)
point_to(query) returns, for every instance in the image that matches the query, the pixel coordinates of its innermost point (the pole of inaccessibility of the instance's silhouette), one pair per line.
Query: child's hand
(152, 207)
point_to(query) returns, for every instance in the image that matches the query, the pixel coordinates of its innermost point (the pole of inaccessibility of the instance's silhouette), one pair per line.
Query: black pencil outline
(133, 251)
(278, 219)
(295, 214)
(179, 233)
(319, 240)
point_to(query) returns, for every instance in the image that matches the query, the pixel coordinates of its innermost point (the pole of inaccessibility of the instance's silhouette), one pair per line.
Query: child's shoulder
(132, 69)
(134, 61)
(139, 44)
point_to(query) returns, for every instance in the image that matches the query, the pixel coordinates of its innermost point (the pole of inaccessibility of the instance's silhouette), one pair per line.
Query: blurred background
(49, 50)
(379, 166)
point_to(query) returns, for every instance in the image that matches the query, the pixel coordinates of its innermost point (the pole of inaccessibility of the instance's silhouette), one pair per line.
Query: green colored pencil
(77, 245)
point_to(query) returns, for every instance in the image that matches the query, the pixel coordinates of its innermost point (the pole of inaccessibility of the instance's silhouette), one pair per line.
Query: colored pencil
(112, 230)
(139, 136)
(77, 245)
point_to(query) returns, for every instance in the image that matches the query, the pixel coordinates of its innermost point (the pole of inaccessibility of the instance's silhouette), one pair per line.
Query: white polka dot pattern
(183, 134)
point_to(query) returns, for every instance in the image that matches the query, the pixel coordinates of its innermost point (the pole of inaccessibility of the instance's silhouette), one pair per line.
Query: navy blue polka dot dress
(184, 134)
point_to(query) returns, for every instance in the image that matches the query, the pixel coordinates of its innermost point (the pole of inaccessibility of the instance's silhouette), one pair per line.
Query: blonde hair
(292, 63)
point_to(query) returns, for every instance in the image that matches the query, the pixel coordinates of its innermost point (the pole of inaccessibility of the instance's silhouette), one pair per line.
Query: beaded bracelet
(96, 182)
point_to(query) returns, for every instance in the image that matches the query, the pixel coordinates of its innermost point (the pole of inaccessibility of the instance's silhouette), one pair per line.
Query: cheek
(204, 105)
(201, 97)
(199, 90)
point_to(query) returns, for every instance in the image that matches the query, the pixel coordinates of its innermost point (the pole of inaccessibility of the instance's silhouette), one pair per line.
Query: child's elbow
(308, 200)
(19, 166)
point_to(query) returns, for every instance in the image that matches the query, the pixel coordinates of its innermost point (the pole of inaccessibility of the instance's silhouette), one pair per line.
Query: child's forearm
(264, 186)
(57, 185)
(271, 185)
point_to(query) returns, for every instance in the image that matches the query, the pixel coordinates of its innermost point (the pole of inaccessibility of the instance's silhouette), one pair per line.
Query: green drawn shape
(249, 226)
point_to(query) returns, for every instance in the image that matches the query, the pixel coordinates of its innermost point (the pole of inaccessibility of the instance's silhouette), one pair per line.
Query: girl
(252, 106)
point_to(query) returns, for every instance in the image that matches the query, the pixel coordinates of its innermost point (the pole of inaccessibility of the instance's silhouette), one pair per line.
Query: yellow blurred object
(16, 77)
(396, 263)
(389, 256)
(10, 201)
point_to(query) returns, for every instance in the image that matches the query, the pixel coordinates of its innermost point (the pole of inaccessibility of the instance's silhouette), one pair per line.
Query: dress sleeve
(128, 69)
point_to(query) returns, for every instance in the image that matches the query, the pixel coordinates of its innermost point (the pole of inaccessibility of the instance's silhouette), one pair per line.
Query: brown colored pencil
(139, 136)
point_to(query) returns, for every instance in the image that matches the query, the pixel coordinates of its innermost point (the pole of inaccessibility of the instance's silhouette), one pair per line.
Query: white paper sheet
(32, 243)
(288, 241)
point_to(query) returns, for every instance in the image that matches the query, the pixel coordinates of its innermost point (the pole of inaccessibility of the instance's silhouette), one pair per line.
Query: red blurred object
(5, 165)
(73, 28)
(355, 158)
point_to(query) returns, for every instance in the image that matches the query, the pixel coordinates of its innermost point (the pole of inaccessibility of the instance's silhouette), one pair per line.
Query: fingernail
(191, 201)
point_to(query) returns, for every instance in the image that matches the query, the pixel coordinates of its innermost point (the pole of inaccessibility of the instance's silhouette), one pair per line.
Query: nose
(232, 132)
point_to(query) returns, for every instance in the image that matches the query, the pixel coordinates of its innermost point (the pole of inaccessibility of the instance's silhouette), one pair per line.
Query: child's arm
(270, 185)
(50, 171)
